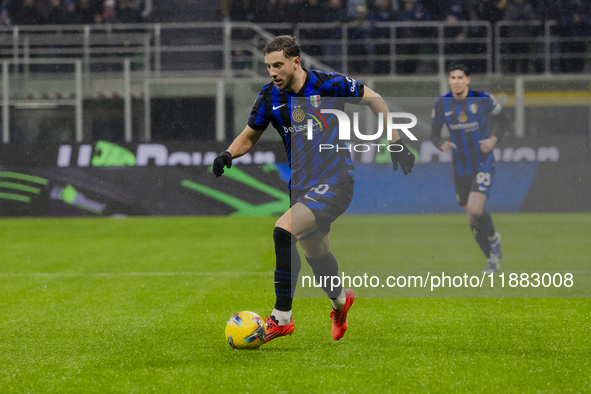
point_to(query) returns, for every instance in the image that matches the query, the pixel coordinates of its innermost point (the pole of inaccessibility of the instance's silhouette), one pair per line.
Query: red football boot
(339, 318)
(275, 331)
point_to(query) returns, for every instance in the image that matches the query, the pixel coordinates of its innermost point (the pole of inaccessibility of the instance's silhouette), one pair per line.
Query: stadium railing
(522, 96)
(235, 48)
(213, 59)
(398, 47)
(538, 47)
(154, 48)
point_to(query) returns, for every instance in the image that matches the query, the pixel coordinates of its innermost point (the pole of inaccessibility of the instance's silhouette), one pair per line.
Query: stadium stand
(183, 49)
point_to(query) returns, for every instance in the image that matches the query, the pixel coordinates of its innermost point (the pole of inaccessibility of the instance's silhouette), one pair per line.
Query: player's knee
(283, 223)
(322, 250)
(473, 213)
(315, 247)
(316, 252)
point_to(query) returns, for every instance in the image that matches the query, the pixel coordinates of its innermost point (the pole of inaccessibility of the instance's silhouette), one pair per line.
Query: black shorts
(327, 202)
(480, 182)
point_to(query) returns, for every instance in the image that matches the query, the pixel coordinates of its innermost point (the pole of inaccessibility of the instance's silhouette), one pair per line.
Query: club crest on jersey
(473, 108)
(463, 117)
(315, 101)
(298, 115)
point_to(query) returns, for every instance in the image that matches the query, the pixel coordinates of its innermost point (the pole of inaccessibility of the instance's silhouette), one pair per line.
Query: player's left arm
(379, 107)
(499, 125)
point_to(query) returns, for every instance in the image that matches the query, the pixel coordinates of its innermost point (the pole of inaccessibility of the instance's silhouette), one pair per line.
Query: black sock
(324, 267)
(287, 268)
(486, 223)
(481, 232)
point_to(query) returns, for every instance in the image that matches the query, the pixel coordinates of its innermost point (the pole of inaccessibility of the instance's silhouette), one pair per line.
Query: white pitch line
(114, 274)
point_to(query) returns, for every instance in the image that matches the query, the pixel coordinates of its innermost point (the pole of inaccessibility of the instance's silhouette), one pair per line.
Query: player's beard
(288, 81)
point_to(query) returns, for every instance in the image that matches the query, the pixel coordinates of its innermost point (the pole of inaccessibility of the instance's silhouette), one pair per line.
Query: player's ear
(297, 62)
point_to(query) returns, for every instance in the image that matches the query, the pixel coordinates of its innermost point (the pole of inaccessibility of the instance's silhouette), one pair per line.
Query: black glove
(225, 159)
(404, 157)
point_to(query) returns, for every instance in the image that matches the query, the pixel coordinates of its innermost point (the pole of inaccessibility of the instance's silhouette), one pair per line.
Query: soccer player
(476, 123)
(321, 185)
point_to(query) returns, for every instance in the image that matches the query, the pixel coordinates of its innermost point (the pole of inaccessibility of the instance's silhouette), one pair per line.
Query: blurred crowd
(296, 11)
(368, 39)
(572, 17)
(64, 12)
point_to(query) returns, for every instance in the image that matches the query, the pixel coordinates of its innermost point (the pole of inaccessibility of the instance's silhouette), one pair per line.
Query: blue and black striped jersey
(468, 121)
(288, 113)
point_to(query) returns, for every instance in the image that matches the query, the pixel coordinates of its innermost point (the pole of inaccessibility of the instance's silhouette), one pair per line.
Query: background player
(468, 114)
(321, 181)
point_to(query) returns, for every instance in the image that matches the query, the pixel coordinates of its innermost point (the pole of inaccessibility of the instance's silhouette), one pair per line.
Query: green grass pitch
(140, 304)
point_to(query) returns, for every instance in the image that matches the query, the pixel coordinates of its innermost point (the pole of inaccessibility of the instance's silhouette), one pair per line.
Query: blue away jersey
(468, 121)
(289, 112)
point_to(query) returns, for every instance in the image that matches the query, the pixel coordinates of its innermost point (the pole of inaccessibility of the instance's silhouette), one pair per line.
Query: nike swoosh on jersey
(309, 198)
(276, 107)
(449, 113)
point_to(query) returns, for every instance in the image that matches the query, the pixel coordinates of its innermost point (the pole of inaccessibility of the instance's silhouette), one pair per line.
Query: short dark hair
(288, 44)
(459, 66)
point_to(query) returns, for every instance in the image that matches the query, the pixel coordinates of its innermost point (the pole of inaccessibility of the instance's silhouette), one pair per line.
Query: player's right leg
(287, 268)
(484, 231)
